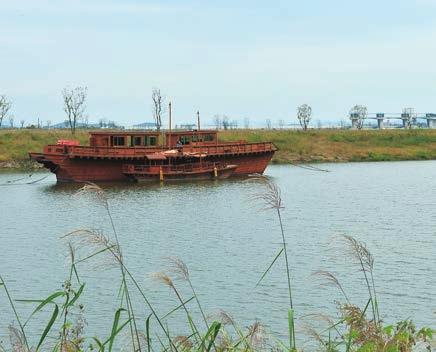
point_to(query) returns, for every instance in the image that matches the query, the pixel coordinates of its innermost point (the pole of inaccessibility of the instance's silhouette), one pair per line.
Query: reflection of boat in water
(111, 155)
(179, 172)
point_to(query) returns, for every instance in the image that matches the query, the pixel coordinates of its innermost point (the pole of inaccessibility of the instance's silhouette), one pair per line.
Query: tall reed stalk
(182, 271)
(364, 259)
(272, 199)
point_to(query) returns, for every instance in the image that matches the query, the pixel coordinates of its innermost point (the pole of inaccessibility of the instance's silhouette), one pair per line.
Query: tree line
(74, 106)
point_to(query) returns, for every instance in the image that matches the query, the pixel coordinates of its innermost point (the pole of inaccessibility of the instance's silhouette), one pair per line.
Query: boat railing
(209, 149)
(103, 151)
(189, 167)
(230, 148)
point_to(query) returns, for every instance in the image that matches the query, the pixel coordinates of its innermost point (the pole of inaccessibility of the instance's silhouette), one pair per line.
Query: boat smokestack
(198, 120)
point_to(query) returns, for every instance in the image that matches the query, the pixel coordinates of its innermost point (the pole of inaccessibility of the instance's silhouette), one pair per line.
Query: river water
(225, 238)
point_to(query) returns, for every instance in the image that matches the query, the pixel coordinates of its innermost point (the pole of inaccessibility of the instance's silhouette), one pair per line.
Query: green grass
(294, 146)
(16, 144)
(343, 145)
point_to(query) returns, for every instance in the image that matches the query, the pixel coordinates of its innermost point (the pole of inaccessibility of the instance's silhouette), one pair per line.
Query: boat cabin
(124, 139)
(190, 137)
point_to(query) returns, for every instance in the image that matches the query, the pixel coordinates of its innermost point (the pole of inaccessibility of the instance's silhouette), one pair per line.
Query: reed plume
(91, 188)
(225, 318)
(183, 343)
(17, 340)
(257, 336)
(163, 278)
(166, 280)
(180, 269)
(332, 279)
(365, 261)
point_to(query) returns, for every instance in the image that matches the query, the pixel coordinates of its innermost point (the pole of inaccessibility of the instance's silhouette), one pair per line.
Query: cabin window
(136, 141)
(196, 138)
(208, 138)
(119, 141)
(185, 139)
(152, 140)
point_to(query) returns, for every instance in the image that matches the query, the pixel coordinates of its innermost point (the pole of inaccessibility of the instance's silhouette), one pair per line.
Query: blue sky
(255, 59)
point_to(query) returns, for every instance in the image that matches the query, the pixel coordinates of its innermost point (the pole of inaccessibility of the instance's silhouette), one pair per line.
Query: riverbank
(294, 146)
(343, 145)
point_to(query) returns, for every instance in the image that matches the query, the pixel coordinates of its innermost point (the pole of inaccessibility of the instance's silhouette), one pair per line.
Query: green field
(294, 146)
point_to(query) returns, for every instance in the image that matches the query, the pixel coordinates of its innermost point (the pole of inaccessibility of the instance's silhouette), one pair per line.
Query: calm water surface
(227, 242)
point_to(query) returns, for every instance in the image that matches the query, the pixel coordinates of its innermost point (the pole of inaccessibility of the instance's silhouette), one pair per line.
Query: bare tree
(409, 117)
(74, 105)
(281, 123)
(158, 107)
(48, 124)
(247, 123)
(22, 123)
(234, 124)
(11, 121)
(358, 113)
(304, 115)
(226, 122)
(5, 105)
(268, 123)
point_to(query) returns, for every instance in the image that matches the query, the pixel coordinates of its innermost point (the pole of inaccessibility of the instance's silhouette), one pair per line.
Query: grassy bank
(295, 146)
(16, 144)
(344, 145)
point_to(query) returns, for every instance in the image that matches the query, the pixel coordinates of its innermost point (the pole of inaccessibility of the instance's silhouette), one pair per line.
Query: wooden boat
(108, 152)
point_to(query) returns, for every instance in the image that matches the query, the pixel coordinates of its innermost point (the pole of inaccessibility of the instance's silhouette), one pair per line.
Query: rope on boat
(13, 182)
(40, 179)
(19, 179)
(310, 167)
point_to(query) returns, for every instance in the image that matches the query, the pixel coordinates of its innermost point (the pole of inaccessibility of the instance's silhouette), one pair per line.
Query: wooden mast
(198, 135)
(169, 132)
(169, 127)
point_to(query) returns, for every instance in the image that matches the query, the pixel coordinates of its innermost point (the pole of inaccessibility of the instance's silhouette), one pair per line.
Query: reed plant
(271, 198)
(357, 329)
